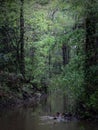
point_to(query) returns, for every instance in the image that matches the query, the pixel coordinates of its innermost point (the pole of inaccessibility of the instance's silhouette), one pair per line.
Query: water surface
(33, 118)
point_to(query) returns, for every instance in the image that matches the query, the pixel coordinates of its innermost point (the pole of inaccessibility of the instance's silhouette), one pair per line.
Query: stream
(39, 117)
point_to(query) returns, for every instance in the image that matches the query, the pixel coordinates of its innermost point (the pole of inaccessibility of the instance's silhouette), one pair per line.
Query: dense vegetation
(47, 45)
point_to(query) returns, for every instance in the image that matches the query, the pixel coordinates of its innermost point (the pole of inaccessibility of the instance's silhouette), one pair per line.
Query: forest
(50, 45)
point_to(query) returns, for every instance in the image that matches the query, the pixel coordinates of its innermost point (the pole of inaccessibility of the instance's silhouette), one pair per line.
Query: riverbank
(32, 100)
(16, 101)
(16, 91)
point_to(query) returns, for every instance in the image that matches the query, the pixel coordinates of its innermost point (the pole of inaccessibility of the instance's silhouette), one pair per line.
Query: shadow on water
(31, 118)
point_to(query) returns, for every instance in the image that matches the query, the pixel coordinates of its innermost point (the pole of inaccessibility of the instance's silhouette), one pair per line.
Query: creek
(35, 118)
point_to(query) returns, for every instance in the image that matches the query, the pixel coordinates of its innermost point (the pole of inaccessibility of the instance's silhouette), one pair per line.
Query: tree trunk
(90, 53)
(90, 46)
(49, 64)
(65, 54)
(22, 60)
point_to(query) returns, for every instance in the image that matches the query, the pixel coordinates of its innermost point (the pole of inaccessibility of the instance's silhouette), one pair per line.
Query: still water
(35, 118)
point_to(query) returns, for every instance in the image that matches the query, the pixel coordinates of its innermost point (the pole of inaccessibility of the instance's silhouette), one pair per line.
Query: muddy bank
(16, 91)
(26, 100)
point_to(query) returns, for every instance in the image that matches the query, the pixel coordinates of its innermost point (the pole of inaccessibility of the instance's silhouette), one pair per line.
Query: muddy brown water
(36, 118)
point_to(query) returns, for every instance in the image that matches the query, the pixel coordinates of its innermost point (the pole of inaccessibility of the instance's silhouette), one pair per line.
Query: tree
(65, 51)
(90, 44)
(90, 15)
(91, 53)
(22, 60)
(9, 35)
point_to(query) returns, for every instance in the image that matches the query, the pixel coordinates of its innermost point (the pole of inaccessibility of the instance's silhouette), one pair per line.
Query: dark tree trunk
(90, 65)
(22, 61)
(18, 57)
(90, 46)
(65, 54)
(49, 63)
(90, 53)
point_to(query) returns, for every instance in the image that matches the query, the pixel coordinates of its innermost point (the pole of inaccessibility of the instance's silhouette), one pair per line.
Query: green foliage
(93, 102)
(48, 26)
(42, 2)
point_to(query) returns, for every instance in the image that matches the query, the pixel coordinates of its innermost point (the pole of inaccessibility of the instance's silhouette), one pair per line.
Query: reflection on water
(31, 118)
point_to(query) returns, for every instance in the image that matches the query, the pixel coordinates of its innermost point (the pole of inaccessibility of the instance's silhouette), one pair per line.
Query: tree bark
(90, 53)
(65, 54)
(22, 56)
(49, 64)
